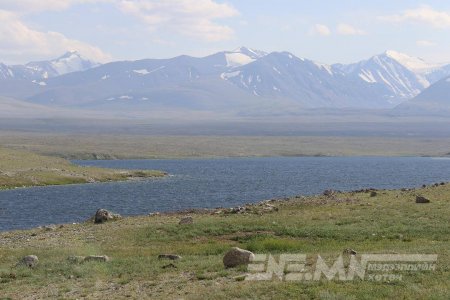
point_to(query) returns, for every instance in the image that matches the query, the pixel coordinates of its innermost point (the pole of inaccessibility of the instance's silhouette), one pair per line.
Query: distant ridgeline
(241, 81)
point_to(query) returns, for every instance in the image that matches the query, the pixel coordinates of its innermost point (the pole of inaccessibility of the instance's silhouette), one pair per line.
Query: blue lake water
(209, 183)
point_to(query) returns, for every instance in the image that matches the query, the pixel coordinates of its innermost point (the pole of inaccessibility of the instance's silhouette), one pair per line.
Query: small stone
(373, 194)
(349, 251)
(49, 228)
(76, 259)
(169, 266)
(30, 261)
(97, 258)
(236, 257)
(237, 210)
(329, 193)
(186, 220)
(169, 256)
(421, 199)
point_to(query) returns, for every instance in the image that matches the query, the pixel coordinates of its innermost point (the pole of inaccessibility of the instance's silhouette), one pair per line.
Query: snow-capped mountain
(403, 76)
(239, 80)
(311, 84)
(70, 62)
(401, 82)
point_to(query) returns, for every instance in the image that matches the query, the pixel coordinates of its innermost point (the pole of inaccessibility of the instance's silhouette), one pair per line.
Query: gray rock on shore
(103, 215)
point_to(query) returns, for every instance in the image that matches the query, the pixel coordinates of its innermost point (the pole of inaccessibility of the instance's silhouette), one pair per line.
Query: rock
(186, 220)
(169, 266)
(421, 199)
(329, 193)
(76, 259)
(169, 256)
(49, 228)
(30, 261)
(269, 207)
(154, 214)
(373, 194)
(237, 210)
(102, 215)
(236, 257)
(349, 251)
(97, 258)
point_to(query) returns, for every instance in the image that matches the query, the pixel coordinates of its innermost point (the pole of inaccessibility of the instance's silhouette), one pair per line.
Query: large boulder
(236, 257)
(103, 215)
(30, 261)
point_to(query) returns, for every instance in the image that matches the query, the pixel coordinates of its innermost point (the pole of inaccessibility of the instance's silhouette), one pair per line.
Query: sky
(325, 31)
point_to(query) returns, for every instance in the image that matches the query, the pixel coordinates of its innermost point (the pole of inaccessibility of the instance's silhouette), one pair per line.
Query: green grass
(21, 168)
(389, 223)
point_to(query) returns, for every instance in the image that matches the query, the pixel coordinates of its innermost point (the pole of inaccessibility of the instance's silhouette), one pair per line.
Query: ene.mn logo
(372, 267)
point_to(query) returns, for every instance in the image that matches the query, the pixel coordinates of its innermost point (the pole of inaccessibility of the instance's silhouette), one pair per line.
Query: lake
(210, 183)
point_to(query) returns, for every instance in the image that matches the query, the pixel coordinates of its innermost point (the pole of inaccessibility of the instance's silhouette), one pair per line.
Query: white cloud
(320, 29)
(345, 29)
(192, 18)
(425, 43)
(33, 6)
(424, 15)
(21, 42)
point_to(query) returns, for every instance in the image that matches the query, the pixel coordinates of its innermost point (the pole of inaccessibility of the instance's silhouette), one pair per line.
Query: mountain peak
(73, 55)
(253, 53)
(415, 64)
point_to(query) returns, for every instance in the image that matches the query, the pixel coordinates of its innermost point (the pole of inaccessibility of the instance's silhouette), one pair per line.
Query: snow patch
(146, 72)
(276, 70)
(237, 59)
(415, 64)
(105, 77)
(325, 67)
(41, 83)
(229, 75)
(367, 76)
(125, 97)
(142, 71)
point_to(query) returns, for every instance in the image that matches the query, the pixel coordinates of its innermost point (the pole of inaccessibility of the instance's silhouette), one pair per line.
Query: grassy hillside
(21, 168)
(387, 223)
(124, 146)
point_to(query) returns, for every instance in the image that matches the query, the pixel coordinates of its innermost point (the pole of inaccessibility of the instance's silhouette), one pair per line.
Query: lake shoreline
(329, 225)
(330, 196)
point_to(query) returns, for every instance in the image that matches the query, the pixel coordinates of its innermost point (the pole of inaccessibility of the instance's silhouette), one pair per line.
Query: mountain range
(241, 81)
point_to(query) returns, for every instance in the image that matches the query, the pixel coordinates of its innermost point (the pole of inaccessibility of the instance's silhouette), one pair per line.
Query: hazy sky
(326, 31)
